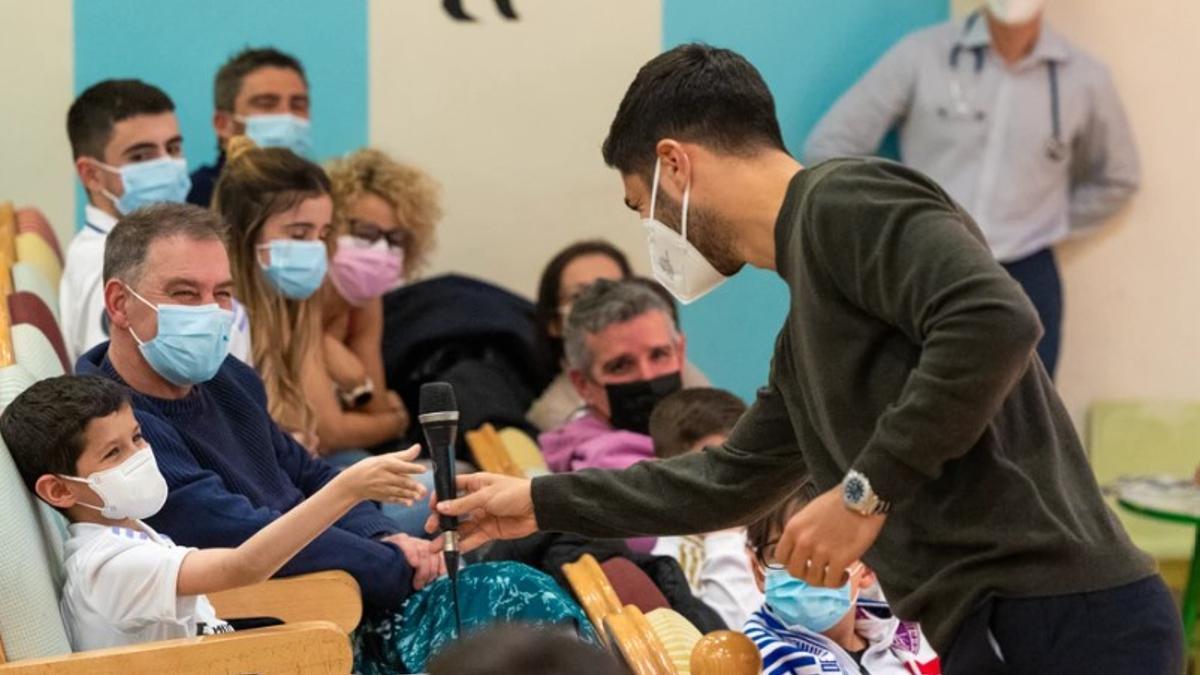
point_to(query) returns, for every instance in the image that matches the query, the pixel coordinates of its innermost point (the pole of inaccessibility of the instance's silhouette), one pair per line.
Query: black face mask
(632, 402)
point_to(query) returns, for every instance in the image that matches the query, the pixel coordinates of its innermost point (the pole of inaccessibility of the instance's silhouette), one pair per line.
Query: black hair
(45, 427)
(545, 310)
(91, 117)
(229, 77)
(688, 415)
(696, 93)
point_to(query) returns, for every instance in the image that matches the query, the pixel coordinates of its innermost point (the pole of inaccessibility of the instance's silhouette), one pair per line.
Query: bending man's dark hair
(695, 93)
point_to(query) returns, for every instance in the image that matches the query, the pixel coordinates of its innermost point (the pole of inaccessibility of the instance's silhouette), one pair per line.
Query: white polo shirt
(121, 589)
(81, 293)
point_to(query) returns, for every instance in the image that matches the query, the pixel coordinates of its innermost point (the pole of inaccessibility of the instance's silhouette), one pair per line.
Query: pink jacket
(588, 442)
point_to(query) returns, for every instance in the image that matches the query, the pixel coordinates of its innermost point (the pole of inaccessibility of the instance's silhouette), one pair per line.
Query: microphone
(439, 420)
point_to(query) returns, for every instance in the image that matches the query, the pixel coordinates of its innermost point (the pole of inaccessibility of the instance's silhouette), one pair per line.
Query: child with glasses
(809, 630)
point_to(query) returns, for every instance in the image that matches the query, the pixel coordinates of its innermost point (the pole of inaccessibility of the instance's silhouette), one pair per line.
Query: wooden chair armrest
(313, 647)
(331, 596)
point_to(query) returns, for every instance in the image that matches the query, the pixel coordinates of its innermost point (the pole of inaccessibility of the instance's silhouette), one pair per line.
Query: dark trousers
(1038, 275)
(1129, 630)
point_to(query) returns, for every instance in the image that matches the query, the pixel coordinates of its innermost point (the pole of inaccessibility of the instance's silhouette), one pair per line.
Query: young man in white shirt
(78, 446)
(128, 152)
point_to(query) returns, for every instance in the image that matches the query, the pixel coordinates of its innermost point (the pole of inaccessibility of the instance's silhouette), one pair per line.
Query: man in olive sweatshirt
(904, 381)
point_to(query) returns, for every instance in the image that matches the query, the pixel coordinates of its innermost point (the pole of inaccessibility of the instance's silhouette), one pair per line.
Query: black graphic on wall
(455, 9)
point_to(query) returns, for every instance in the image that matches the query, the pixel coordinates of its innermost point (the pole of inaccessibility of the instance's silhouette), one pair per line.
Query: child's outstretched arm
(381, 478)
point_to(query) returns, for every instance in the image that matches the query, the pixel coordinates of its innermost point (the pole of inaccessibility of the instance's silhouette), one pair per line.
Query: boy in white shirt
(78, 447)
(809, 630)
(715, 563)
(128, 152)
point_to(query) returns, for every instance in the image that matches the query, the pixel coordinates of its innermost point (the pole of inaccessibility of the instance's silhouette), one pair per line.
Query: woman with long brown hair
(278, 211)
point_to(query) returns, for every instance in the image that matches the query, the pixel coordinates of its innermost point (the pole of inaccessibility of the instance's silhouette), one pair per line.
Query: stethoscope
(1055, 148)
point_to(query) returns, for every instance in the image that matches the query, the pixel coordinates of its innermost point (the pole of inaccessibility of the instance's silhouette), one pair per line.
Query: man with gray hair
(624, 355)
(229, 468)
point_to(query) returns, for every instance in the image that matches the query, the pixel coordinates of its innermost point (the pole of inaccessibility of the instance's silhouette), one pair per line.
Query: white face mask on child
(134, 489)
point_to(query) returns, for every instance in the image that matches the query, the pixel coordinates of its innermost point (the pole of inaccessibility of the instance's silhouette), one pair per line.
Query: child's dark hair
(761, 532)
(44, 427)
(688, 415)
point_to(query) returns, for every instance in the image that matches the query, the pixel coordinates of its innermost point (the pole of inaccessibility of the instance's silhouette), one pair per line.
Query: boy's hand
(385, 478)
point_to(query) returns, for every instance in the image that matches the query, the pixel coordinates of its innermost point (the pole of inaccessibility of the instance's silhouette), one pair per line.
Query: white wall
(35, 157)
(509, 116)
(1133, 290)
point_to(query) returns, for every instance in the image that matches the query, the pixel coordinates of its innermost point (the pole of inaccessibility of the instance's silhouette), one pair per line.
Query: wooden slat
(593, 590)
(637, 643)
(489, 452)
(322, 596)
(8, 233)
(313, 647)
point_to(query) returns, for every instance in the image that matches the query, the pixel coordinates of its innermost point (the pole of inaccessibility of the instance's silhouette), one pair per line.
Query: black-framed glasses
(766, 556)
(370, 232)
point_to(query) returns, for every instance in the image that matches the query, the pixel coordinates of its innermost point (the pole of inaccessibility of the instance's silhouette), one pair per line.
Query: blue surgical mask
(297, 267)
(191, 344)
(280, 131)
(157, 180)
(798, 604)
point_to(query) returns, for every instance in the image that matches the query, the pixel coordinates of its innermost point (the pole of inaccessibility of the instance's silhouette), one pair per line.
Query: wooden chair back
(593, 591)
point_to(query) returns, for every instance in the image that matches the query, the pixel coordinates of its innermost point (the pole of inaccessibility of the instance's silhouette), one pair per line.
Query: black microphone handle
(440, 438)
(443, 480)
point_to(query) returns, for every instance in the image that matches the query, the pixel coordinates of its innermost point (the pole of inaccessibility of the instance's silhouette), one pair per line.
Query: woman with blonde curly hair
(384, 217)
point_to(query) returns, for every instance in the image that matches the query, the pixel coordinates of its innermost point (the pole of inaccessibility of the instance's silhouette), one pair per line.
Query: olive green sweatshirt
(907, 354)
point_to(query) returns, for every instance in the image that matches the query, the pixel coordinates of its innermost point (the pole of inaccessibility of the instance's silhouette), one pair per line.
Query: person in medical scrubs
(1022, 128)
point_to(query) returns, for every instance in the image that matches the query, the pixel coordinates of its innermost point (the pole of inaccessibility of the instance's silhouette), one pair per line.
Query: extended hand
(385, 478)
(495, 506)
(821, 541)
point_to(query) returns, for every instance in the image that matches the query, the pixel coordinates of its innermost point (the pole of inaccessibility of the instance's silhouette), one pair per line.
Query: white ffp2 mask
(134, 489)
(678, 265)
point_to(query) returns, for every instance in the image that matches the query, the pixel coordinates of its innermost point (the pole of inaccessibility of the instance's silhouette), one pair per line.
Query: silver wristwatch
(858, 496)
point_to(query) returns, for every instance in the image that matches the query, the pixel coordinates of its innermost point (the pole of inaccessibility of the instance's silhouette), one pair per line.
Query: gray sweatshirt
(908, 354)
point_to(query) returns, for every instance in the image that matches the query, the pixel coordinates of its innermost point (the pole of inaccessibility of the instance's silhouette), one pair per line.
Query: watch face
(854, 490)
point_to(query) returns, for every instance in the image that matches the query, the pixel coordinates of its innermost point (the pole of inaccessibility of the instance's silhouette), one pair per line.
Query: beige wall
(35, 158)
(509, 116)
(1133, 290)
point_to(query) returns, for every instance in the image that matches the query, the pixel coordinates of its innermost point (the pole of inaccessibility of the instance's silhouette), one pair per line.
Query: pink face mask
(363, 270)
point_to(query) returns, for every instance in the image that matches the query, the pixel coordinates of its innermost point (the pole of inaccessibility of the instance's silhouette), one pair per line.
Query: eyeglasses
(397, 238)
(766, 556)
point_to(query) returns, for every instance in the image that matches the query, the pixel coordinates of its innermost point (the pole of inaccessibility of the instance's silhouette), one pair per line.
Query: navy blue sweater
(231, 470)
